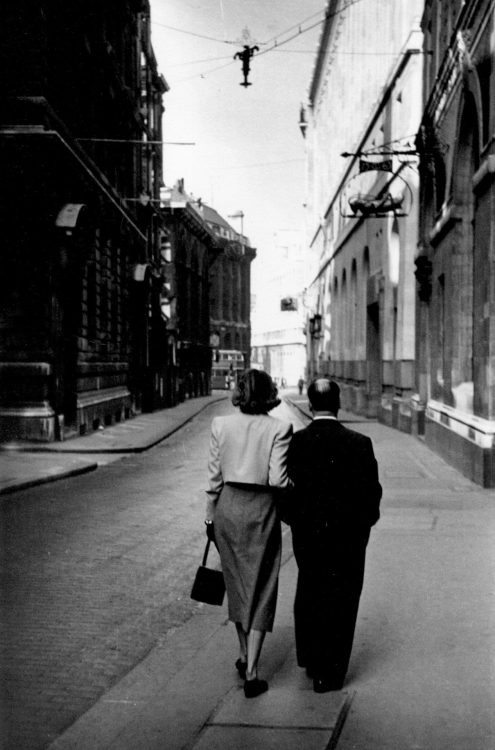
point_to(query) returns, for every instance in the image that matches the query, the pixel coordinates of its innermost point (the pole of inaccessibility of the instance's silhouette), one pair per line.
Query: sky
(249, 152)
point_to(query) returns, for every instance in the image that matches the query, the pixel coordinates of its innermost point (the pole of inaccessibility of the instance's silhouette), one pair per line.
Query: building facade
(279, 344)
(80, 97)
(230, 287)
(189, 249)
(455, 267)
(366, 288)
(363, 112)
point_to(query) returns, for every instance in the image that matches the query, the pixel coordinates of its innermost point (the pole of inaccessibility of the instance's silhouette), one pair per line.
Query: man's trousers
(329, 586)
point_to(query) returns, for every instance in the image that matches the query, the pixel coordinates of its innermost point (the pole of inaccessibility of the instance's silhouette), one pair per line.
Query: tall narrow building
(80, 127)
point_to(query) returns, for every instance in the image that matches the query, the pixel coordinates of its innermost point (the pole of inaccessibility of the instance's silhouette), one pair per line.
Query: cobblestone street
(96, 570)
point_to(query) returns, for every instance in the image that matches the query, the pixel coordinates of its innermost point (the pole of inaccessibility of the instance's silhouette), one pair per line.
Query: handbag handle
(205, 556)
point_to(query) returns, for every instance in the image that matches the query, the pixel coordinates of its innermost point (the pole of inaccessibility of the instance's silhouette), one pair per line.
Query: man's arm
(371, 487)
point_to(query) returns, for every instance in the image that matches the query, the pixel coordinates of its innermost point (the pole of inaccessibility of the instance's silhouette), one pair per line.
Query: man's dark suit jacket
(335, 474)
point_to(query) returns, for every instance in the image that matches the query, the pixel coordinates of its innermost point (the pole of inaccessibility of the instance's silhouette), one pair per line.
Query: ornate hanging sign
(373, 194)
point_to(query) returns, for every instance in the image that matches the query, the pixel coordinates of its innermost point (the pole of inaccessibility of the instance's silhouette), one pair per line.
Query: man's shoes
(325, 685)
(241, 667)
(253, 688)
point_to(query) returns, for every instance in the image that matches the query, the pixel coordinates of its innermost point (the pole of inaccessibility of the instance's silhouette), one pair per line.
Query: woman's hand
(210, 531)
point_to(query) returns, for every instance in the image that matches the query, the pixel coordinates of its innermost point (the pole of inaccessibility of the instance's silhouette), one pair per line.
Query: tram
(226, 367)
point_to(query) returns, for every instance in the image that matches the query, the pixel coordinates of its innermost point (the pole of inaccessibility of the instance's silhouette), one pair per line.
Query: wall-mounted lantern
(303, 125)
(423, 273)
(315, 326)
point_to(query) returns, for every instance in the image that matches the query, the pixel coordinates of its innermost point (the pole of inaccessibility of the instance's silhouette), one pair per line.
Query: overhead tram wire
(234, 42)
(224, 41)
(287, 51)
(276, 44)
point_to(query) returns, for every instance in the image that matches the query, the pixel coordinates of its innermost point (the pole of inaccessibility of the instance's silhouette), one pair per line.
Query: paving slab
(244, 738)
(282, 706)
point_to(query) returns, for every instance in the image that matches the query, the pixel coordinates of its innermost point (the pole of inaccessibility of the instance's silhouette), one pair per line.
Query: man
(333, 507)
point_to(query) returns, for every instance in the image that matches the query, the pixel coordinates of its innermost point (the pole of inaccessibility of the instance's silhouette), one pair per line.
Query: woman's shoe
(255, 687)
(241, 667)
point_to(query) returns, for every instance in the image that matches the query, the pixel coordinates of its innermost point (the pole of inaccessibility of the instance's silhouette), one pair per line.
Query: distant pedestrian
(334, 504)
(246, 469)
(300, 385)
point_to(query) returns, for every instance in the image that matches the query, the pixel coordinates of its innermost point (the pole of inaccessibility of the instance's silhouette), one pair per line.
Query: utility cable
(192, 33)
(205, 72)
(276, 44)
(195, 62)
(303, 31)
(296, 25)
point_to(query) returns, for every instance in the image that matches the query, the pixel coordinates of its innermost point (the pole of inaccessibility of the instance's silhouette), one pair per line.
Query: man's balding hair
(324, 395)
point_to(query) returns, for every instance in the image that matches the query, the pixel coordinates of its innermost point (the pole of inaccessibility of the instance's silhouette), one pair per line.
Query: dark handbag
(209, 586)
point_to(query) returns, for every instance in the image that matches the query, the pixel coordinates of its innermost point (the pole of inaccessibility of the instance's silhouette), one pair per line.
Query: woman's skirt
(248, 535)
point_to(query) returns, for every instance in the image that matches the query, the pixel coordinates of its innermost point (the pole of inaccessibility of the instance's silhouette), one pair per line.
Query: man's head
(324, 396)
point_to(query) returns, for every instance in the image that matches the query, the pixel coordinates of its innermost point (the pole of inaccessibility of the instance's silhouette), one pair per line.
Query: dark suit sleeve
(289, 499)
(371, 487)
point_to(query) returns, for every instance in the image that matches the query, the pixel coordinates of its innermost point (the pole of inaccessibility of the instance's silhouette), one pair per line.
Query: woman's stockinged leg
(255, 640)
(243, 645)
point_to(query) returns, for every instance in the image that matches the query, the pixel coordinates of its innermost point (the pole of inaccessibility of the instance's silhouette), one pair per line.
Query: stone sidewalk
(24, 465)
(186, 694)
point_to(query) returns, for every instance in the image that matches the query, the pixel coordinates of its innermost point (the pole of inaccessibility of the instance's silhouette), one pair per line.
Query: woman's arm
(277, 468)
(215, 478)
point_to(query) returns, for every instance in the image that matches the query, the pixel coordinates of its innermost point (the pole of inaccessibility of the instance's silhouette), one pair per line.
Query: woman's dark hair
(255, 393)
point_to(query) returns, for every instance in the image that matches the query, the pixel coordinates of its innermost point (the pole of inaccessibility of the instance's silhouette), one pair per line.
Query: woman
(246, 469)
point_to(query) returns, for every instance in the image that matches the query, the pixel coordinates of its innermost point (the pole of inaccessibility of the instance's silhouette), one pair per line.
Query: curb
(138, 449)
(293, 405)
(101, 449)
(357, 420)
(47, 479)
(35, 482)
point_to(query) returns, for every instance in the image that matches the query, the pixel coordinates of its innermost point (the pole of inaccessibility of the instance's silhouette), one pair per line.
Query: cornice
(322, 52)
